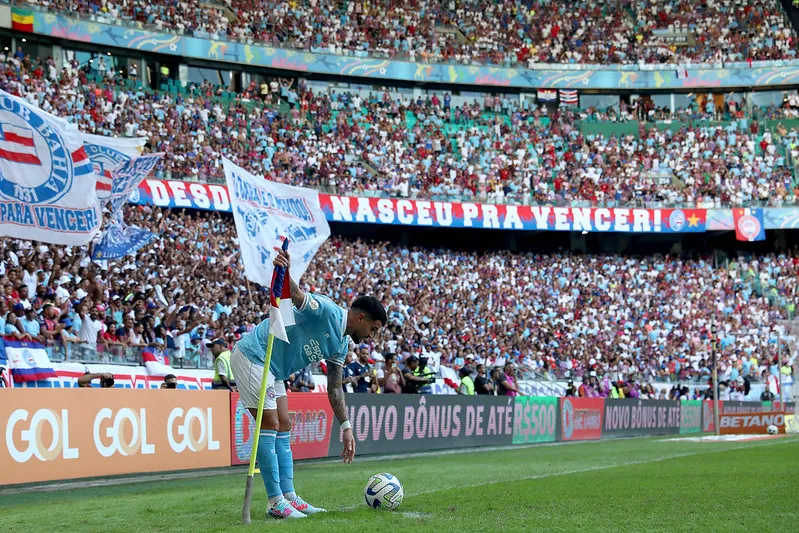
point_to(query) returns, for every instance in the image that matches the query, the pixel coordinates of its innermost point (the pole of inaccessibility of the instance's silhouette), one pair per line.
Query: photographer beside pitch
(321, 331)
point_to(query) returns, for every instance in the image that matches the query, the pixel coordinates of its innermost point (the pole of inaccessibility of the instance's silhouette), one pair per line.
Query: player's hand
(283, 259)
(349, 446)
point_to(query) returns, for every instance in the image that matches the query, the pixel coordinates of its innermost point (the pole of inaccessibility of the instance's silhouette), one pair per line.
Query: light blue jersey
(318, 334)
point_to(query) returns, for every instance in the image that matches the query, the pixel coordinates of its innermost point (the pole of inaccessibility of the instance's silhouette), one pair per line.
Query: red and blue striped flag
(281, 313)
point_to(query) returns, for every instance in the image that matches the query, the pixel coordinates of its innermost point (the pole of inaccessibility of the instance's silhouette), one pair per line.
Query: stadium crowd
(496, 149)
(500, 32)
(557, 314)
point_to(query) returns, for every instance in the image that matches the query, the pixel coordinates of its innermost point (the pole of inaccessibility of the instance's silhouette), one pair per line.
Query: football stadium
(425, 265)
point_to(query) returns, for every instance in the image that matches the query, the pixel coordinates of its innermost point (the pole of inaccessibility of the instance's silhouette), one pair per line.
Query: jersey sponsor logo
(313, 351)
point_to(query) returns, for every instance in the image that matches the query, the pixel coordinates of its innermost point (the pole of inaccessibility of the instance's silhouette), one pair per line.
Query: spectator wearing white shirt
(91, 325)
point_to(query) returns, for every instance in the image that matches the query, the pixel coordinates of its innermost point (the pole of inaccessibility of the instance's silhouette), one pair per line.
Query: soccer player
(321, 331)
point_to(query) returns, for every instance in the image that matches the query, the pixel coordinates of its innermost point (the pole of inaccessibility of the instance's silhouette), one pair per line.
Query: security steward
(223, 375)
(467, 384)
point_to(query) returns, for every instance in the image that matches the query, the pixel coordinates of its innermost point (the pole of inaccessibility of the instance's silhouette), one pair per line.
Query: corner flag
(281, 314)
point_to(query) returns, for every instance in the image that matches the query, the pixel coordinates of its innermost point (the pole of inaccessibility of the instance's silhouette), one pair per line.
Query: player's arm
(335, 394)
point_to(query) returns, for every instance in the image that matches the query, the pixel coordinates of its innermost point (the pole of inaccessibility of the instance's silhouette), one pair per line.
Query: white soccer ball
(772, 429)
(383, 491)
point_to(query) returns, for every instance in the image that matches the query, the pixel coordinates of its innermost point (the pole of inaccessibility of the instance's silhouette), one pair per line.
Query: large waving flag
(108, 154)
(126, 178)
(265, 214)
(47, 183)
(119, 239)
(28, 361)
(281, 313)
(749, 224)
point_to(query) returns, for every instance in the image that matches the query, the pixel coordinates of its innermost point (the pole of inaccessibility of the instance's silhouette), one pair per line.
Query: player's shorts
(248, 380)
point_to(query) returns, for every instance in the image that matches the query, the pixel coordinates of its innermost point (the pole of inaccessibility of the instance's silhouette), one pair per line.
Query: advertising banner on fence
(535, 419)
(66, 434)
(581, 418)
(631, 418)
(750, 423)
(389, 423)
(311, 422)
(125, 377)
(708, 420)
(691, 416)
(176, 194)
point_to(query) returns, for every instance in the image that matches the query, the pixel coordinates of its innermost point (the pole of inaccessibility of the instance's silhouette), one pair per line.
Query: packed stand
(495, 149)
(502, 32)
(550, 315)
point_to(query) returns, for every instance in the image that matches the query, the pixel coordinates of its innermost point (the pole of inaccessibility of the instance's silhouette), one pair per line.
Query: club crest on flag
(28, 140)
(677, 220)
(104, 160)
(749, 227)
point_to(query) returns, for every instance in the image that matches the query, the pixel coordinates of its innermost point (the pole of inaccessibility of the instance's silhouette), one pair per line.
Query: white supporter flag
(47, 184)
(265, 214)
(107, 154)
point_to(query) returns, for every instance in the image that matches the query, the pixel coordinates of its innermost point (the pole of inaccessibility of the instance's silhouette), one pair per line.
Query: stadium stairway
(221, 6)
(452, 30)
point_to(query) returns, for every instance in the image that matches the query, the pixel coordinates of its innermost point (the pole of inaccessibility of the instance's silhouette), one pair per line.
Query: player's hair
(372, 307)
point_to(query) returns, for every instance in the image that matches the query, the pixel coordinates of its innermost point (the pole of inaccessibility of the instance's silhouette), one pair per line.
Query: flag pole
(259, 414)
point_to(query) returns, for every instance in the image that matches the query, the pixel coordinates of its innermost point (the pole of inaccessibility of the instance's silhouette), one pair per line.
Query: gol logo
(34, 435)
(194, 430)
(124, 433)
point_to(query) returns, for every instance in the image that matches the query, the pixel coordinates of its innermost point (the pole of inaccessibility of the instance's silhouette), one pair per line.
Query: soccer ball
(772, 429)
(383, 491)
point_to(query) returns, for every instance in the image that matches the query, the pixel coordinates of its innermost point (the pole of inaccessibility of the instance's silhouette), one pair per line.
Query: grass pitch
(623, 485)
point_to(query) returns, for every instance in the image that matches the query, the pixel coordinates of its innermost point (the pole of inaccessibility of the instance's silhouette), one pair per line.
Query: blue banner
(120, 240)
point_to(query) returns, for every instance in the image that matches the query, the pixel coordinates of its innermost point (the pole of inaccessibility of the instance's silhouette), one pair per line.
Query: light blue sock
(286, 461)
(267, 463)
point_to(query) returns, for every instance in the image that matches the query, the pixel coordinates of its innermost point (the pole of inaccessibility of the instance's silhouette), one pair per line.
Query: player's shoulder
(320, 302)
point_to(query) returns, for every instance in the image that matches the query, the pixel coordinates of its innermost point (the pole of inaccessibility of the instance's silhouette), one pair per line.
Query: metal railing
(127, 356)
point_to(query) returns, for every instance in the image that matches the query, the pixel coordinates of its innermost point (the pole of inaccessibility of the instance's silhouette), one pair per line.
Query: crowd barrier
(78, 433)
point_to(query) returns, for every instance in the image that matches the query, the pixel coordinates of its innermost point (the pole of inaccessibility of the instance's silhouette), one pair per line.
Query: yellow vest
(467, 380)
(225, 358)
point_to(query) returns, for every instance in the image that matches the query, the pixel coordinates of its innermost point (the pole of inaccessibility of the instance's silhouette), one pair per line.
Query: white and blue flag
(266, 213)
(47, 183)
(120, 240)
(128, 176)
(107, 154)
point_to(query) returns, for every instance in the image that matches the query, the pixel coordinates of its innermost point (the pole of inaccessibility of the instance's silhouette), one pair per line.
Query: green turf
(623, 485)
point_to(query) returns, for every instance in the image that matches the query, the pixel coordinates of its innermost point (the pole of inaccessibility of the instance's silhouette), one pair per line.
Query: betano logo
(746, 421)
(44, 422)
(125, 435)
(194, 431)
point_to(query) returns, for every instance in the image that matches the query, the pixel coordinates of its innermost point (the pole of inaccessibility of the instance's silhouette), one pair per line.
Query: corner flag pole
(276, 289)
